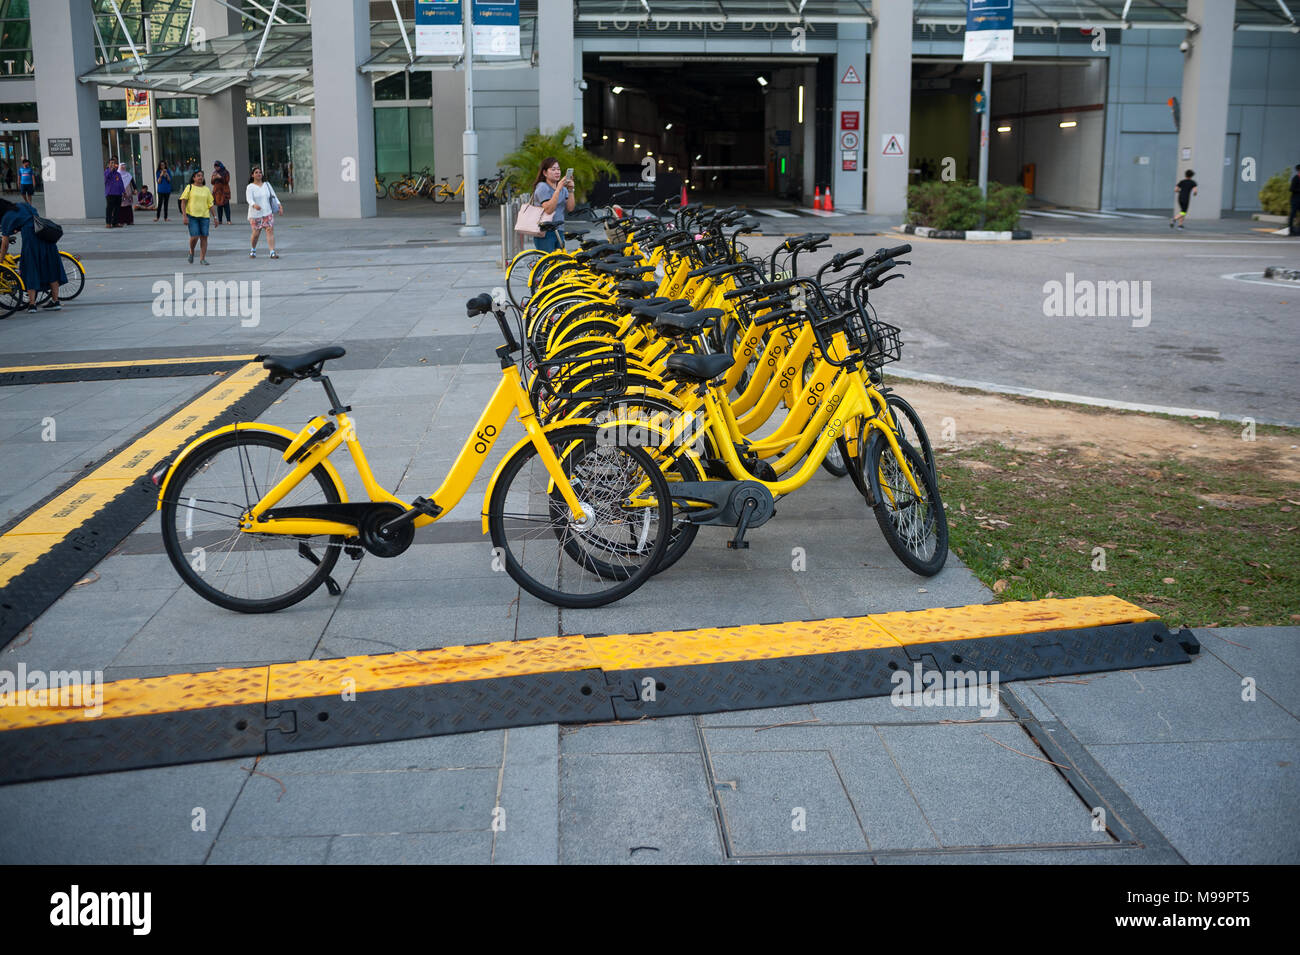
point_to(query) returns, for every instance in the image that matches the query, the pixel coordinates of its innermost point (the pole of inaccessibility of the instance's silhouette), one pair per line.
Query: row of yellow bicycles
(741, 375)
(13, 293)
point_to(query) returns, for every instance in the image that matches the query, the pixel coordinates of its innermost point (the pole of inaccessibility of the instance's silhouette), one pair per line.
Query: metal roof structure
(146, 44)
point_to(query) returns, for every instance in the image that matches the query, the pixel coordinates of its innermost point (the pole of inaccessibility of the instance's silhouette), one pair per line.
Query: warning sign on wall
(849, 161)
(851, 76)
(891, 144)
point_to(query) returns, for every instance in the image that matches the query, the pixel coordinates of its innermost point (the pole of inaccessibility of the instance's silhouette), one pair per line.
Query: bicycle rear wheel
(915, 528)
(909, 427)
(212, 489)
(76, 277)
(613, 551)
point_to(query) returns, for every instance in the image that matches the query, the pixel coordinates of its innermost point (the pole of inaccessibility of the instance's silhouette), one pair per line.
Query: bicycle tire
(517, 275)
(72, 288)
(269, 572)
(570, 566)
(915, 529)
(12, 294)
(909, 427)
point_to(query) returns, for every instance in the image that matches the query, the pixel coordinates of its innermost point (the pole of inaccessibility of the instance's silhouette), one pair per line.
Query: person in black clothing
(1293, 221)
(1186, 188)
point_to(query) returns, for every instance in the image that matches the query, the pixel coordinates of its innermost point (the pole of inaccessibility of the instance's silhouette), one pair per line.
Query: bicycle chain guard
(727, 501)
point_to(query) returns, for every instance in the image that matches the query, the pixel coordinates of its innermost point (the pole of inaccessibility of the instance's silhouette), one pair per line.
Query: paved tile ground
(1192, 771)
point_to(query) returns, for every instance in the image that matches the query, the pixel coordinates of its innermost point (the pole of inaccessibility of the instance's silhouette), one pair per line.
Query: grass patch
(1201, 544)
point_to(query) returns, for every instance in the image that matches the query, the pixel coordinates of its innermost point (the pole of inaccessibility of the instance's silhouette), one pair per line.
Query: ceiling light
(616, 90)
(762, 80)
(621, 139)
(606, 136)
(661, 162)
(668, 127)
(699, 157)
(1004, 129)
(670, 168)
(649, 153)
(1069, 124)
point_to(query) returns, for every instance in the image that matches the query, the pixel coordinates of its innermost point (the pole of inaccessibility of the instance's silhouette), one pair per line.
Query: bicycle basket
(599, 375)
(868, 340)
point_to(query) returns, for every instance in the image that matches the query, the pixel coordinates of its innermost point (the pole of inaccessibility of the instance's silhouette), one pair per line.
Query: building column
(223, 117)
(448, 123)
(1207, 70)
(890, 112)
(850, 97)
(556, 83)
(345, 110)
(63, 48)
(808, 77)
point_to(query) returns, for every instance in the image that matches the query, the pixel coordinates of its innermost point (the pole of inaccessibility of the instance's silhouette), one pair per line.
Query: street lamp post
(471, 226)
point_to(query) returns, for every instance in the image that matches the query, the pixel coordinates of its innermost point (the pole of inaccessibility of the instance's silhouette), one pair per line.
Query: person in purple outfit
(113, 190)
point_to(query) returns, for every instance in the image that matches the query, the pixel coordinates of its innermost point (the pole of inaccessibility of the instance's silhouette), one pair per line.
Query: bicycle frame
(510, 395)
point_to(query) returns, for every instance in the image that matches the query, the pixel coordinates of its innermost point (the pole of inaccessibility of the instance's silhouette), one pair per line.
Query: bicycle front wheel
(12, 294)
(617, 546)
(212, 489)
(916, 528)
(76, 277)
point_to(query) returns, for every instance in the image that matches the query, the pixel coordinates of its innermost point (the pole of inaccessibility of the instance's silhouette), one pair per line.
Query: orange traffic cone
(817, 197)
(828, 204)
(683, 194)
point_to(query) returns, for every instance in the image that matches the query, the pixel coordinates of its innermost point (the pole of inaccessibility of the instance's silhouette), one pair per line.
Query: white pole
(471, 226)
(984, 130)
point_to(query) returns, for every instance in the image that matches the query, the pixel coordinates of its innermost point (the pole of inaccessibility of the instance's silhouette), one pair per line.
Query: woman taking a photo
(263, 204)
(554, 194)
(195, 204)
(164, 180)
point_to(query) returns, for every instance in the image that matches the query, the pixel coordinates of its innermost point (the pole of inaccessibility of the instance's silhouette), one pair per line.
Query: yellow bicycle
(254, 516)
(13, 293)
(443, 192)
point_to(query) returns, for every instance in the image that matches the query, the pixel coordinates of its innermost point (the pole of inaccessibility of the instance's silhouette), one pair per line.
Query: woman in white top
(262, 206)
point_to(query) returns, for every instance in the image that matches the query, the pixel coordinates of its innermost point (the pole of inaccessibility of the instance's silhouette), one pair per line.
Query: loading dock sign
(891, 144)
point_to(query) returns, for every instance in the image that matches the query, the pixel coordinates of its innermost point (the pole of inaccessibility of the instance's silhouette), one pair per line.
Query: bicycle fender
(242, 426)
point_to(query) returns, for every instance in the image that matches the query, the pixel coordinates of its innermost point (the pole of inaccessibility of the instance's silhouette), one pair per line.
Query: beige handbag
(530, 219)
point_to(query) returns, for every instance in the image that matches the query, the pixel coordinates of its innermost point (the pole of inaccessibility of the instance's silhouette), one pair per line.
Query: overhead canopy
(282, 73)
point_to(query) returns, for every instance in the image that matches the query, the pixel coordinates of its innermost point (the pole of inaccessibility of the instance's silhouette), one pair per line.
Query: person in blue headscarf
(40, 264)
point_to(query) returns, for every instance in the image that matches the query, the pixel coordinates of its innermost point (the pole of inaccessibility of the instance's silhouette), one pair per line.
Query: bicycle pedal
(419, 506)
(353, 551)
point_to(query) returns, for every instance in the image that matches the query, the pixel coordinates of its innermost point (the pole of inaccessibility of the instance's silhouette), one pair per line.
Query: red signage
(849, 120)
(849, 162)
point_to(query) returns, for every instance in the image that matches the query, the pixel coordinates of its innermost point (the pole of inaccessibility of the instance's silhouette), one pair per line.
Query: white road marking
(1052, 395)
(823, 213)
(777, 213)
(1093, 215)
(1257, 278)
(1132, 215)
(1049, 215)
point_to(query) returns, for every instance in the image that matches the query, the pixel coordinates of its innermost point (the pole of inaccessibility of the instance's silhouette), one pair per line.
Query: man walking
(26, 180)
(112, 194)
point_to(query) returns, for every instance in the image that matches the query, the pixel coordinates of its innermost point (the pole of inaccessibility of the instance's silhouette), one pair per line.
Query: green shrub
(523, 163)
(1002, 211)
(1275, 196)
(944, 205)
(959, 206)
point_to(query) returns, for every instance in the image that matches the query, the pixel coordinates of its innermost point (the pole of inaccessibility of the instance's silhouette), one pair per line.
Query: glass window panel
(392, 142)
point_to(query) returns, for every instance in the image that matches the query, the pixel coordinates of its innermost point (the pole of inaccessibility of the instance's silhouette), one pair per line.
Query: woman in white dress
(263, 206)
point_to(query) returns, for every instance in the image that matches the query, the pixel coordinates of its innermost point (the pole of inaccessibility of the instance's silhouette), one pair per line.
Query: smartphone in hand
(568, 174)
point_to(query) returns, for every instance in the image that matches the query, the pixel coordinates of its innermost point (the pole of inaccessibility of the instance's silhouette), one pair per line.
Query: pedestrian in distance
(40, 266)
(164, 180)
(195, 205)
(112, 194)
(126, 211)
(263, 206)
(26, 180)
(220, 193)
(554, 193)
(1293, 220)
(1186, 188)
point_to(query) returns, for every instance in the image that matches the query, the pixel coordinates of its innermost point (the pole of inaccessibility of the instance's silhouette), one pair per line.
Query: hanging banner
(438, 29)
(137, 109)
(496, 27)
(990, 33)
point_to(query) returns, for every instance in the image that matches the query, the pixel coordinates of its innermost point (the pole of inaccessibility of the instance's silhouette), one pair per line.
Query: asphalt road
(1190, 338)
